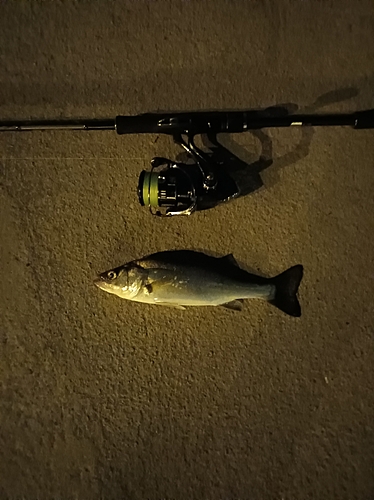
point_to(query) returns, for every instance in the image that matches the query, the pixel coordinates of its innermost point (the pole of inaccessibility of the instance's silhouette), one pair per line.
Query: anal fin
(167, 304)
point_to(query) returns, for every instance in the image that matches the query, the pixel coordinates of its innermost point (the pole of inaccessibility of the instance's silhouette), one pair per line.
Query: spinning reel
(173, 188)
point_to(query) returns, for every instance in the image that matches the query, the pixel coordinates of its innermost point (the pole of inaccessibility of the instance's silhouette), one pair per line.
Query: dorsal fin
(230, 259)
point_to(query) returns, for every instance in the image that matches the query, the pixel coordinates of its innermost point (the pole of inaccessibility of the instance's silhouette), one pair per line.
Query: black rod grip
(196, 122)
(364, 119)
(146, 123)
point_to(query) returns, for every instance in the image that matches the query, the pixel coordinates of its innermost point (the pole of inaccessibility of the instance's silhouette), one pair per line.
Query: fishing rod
(176, 188)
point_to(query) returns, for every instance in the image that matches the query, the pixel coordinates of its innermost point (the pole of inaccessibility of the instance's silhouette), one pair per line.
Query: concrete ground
(103, 398)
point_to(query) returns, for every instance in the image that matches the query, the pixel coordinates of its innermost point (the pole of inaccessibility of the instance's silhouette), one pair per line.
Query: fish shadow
(236, 163)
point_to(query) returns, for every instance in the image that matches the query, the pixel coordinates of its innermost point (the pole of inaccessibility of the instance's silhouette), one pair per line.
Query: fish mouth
(101, 283)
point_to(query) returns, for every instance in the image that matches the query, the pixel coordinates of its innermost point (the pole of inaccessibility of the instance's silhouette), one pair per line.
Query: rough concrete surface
(104, 398)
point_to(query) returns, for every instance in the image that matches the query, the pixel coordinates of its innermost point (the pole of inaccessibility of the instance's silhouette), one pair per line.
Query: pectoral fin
(235, 305)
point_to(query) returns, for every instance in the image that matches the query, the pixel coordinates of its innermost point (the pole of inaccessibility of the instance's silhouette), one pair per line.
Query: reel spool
(168, 189)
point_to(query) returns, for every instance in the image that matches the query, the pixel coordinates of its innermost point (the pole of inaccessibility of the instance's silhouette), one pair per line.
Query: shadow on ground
(233, 158)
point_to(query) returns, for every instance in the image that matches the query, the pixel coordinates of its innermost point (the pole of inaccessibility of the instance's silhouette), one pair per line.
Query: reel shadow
(247, 176)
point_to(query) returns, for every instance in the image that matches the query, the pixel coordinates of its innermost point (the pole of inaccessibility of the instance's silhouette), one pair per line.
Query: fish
(183, 278)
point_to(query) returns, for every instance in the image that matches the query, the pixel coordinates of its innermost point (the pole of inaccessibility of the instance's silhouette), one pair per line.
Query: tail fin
(286, 285)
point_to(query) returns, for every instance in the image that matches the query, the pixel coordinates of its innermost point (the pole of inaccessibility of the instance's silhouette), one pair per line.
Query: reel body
(175, 188)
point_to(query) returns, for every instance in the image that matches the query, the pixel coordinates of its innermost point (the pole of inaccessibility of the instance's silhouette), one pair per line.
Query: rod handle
(364, 119)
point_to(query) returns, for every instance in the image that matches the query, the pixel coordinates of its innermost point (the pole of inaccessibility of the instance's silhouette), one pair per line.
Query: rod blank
(32, 125)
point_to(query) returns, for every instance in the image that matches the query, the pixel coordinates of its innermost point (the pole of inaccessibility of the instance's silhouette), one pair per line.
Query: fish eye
(111, 275)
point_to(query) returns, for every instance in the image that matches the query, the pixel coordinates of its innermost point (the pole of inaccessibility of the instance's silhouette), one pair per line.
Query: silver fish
(182, 278)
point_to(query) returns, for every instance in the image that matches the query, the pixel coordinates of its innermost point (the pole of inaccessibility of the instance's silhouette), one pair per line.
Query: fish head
(125, 281)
